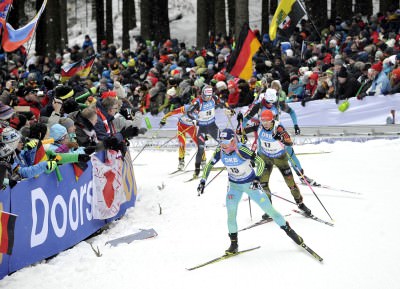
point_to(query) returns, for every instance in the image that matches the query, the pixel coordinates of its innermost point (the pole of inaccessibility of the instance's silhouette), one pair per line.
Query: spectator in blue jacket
(380, 81)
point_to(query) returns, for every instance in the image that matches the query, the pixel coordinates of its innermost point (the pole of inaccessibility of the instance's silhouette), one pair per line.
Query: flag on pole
(287, 15)
(4, 7)
(40, 154)
(7, 224)
(12, 38)
(81, 68)
(240, 63)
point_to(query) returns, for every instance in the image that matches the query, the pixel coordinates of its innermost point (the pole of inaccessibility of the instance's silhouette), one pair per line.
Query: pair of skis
(227, 256)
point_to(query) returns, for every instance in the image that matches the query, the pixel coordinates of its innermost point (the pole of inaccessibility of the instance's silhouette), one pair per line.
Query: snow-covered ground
(361, 251)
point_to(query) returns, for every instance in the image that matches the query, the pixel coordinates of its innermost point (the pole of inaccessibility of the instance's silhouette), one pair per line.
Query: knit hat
(131, 62)
(57, 132)
(377, 66)
(109, 93)
(396, 74)
(63, 92)
(66, 122)
(342, 72)
(339, 61)
(171, 91)
(6, 111)
(10, 137)
(293, 77)
(5, 150)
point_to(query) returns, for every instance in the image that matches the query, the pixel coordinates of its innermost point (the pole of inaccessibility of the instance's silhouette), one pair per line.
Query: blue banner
(54, 216)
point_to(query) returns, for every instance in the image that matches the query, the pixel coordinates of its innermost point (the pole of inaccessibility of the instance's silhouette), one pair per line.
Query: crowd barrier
(54, 216)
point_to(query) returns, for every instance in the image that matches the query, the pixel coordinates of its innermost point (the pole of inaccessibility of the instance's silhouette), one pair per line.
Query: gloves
(239, 117)
(296, 129)
(51, 166)
(200, 188)
(83, 158)
(243, 138)
(142, 130)
(255, 185)
(111, 142)
(31, 144)
(129, 132)
(163, 121)
(278, 136)
(89, 150)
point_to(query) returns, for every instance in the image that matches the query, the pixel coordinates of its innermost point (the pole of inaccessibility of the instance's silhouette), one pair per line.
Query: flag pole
(309, 18)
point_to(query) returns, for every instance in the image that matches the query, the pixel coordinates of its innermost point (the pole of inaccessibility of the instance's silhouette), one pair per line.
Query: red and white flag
(108, 191)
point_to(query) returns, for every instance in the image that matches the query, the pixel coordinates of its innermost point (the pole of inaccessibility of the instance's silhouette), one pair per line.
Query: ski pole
(283, 198)
(251, 215)
(160, 146)
(308, 184)
(142, 149)
(220, 171)
(189, 161)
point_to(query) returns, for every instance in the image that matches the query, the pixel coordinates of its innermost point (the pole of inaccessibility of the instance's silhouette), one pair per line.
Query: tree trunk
(220, 19)
(41, 31)
(388, 5)
(109, 22)
(211, 18)
(242, 15)
(202, 24)
(318, 11)
(364, 7)
(146, 19)
(17, 17)
(344, 9)
(94, 12)
(231, 17)
(160, 23)
(273, 6)
(63, 23)
(264, 17)
(99, 22)
(333, 9)
(125, 24)
(132, 14)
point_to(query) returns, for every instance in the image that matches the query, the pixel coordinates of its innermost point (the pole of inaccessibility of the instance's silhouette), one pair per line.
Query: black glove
(243, 138)
(142, 130)
(163, 121)
(278, 136)
(89, 150)
(12, 183)
(296, 129)
(111, 142)
(83, 158)
(255, 185)
(200, 188)
(239, 117)
(129, 132)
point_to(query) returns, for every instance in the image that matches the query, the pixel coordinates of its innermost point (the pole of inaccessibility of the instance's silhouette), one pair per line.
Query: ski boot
(292, 234)
(266, 217)
(304, 208)
(181, 164)
(304, 180)
(196, 171)
(233, 248)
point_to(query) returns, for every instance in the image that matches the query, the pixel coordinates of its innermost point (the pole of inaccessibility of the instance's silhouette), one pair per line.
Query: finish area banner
(53, 216)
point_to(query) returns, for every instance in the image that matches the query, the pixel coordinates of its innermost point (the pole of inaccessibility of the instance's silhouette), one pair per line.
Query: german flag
(81, 68)
(79, 168)
(240, 63)
(287, 15)
(7, 225)
(40, 154)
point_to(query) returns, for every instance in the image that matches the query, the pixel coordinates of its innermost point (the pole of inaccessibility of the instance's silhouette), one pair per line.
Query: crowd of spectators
(355, 57)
